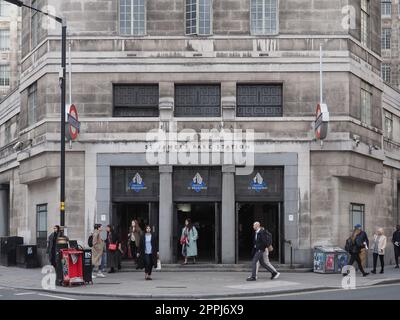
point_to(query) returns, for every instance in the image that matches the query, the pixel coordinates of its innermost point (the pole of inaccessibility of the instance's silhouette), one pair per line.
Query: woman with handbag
(148, 252)
(188, 241)
(379, 247)
(113, 245)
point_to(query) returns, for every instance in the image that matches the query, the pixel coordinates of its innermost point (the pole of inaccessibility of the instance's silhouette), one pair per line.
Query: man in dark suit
(261, 242)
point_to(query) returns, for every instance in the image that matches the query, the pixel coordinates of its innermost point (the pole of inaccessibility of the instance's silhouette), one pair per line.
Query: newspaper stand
(329, 259)
(71, 262)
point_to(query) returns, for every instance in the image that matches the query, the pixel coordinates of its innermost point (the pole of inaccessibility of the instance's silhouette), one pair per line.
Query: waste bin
(329, 259)
(27, 256)
(8, 250)
(72, 268)
(87, 265)
(61, 243)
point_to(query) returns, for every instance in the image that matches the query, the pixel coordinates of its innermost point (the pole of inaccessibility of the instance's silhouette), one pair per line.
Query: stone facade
(321, 180)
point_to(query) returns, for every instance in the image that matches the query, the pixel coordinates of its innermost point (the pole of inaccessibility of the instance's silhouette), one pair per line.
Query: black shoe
(381, 271)
(365, 274)
(111, 271)
(396, 267)
(373, 271)
(251, 279)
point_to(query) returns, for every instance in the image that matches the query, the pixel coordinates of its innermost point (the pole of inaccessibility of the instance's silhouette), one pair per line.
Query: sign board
(73, 123)
(321, 121)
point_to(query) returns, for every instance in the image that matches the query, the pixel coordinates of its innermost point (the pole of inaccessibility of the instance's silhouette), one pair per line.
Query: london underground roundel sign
(321, 121)
(73, 123)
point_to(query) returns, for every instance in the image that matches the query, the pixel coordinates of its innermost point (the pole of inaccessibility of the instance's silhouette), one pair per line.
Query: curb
(196, 296)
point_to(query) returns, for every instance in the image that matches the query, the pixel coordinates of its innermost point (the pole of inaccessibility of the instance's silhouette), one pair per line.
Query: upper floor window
(34, 25)
(386, 72)
(388, 125)
(365, 22)
(198, 100)
(4, 39)
(132, 17)
(198, 17)
(32, 104)
(259, 100)
(386, 7)
(264, 17)
(366, 105)
(136, 100)
(4, 9)
(357, 212)
(4, 75)
(385, 38)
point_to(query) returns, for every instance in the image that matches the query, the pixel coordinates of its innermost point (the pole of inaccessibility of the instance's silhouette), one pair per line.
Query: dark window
(41, 225)
(136, 101)
(357, 214)
(259, 100)
(197, 101)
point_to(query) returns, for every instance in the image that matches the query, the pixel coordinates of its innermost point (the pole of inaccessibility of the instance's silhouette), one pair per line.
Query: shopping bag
(158, 264)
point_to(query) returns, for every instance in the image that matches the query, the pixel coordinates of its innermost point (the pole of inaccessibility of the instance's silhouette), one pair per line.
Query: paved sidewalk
(192, 285)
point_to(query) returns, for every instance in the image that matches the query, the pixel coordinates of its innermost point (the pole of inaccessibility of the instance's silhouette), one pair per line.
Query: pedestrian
(97, 251)
(261, 242)
(188, 241)
(148, 252)
(365, 245)
(266, 256)
(379, 247)
(113, 245)
(396, 245)
(134, 236)
(354, 245)
(52, 244)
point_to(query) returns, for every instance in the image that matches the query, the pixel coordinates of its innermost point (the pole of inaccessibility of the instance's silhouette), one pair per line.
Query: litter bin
(60, 244)
(329, 259)
(72, 269)
(8, 250)
(87, 266)
(27, 256)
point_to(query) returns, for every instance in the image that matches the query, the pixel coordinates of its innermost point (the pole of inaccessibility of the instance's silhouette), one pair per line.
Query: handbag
(112, 247)
(183, 240)
(270, 248)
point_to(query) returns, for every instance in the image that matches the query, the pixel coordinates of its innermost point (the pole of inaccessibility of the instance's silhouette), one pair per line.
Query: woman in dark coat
(113, 245)
(148, 252)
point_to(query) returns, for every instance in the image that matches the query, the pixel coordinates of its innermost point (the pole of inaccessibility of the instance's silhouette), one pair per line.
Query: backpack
(90, 241)
(269, 238)
(349, 245)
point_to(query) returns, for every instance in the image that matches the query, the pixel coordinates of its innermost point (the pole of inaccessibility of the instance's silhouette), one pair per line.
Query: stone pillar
(166, 215)
(228, 100)
(228, 227)
(4, 210)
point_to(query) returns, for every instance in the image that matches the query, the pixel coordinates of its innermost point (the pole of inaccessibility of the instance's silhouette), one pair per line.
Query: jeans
(381, 258)
(148, 263)
(396, 254)
(259, 257)
(266, 260)
(103, 262)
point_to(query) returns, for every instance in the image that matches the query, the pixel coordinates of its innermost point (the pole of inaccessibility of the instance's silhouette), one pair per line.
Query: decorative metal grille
(197, 101)
(259, 100)
(136, 101)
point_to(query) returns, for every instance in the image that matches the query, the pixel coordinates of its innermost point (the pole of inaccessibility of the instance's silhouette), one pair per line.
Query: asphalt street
(377, 292)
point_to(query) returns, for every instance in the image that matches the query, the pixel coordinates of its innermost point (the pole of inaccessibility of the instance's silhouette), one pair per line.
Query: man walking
(365, 245)
(266, 255)
(261, 242)
(51, 245)
(396, 244)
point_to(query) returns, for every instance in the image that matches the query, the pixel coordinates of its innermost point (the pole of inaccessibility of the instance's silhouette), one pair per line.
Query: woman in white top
(378, 248)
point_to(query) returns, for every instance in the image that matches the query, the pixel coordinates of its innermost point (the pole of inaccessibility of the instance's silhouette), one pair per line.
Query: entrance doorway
(269, 215)
(123, 213)
(206, 218)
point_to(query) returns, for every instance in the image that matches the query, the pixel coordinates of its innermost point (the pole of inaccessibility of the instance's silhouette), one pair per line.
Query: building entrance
(269, 215)
(124, 213)
(206, 219)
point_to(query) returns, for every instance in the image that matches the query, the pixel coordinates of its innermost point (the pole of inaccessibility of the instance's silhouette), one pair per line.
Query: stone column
(228, 227)
(4, 210)
(166, 215)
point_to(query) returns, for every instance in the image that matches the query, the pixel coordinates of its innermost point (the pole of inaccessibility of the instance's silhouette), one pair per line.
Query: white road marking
(261, 284)
(56, 297)
(24, 293)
